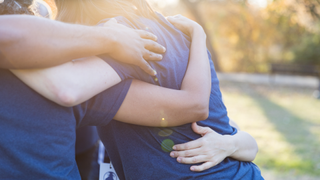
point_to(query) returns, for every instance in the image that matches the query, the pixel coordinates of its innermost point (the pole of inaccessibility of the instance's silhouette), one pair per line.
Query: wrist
(107, 40)
(233, 146)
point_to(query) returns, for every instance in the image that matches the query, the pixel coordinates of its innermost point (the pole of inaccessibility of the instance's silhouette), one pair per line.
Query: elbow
(255, 151)
(202, 110)
(67, 99)
(64, 96)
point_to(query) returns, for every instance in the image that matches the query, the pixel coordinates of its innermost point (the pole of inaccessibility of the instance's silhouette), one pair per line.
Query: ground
(285, 121)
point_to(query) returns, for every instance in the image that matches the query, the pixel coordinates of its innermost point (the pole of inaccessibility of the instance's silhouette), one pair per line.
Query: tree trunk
(193, 8)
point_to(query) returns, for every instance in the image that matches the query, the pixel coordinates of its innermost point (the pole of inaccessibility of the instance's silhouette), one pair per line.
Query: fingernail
(174, 147)
(179, 159)
(192, 168)
(159, 56)
(172, 154)
(155, 37)
(154, 72)
(164, 49)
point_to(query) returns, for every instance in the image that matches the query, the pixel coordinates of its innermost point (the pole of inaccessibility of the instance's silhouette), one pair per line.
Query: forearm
(151, 105)
(197, 80)
(246, 147)
(71, 83)
(32, 42)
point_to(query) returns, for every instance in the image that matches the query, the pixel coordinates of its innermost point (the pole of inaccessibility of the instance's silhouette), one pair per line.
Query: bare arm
(213, 148)
(71, 83)
(31, 42)
(171, 107)
(145, 104)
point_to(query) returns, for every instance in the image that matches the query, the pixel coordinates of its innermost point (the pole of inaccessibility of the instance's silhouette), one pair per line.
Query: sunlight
(164, 3)
(259, 3)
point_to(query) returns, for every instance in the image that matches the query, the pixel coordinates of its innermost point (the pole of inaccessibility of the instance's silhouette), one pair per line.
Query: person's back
(139, 152)
(37, 138)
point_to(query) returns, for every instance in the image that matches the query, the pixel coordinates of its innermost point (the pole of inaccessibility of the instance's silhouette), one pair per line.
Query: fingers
(154, 47)
(200, 130)
(150, 56)
(192, 160)
(202, 167)
(146, 35)
(145, 66)
(189, 145)
(188, 153)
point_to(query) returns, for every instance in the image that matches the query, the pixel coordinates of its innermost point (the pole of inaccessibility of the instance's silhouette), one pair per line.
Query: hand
(184, 24)
(133, 46)
(210, 149)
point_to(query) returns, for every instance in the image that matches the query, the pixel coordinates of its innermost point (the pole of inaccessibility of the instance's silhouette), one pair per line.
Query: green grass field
(285, 121)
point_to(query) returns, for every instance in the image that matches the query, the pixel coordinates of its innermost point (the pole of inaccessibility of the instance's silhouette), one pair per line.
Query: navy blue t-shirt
(139, 152)
(37, 136)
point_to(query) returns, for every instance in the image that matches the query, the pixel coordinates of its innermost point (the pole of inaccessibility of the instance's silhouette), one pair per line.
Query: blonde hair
(90, 12)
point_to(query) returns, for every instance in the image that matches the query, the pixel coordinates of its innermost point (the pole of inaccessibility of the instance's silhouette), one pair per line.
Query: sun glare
(259, 3)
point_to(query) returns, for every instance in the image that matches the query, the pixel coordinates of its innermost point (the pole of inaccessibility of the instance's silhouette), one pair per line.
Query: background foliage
(248, 35)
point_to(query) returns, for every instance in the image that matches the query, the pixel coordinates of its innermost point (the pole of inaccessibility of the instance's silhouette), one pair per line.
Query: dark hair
(16, 7)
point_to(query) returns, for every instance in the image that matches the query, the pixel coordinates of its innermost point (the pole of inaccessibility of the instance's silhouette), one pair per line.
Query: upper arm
(71, 83)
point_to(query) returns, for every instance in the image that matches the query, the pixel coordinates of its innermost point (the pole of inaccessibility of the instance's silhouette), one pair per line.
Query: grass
(285, 121)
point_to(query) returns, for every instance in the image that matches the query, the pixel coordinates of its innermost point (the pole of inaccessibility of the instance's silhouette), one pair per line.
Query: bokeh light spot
(167, 145)
(165, 132)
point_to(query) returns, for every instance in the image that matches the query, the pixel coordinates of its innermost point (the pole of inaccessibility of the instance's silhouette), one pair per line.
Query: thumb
(112, 20)
(199, 129)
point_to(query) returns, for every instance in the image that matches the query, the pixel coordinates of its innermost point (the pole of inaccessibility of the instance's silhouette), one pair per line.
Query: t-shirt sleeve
(125, 71)
(100, 110)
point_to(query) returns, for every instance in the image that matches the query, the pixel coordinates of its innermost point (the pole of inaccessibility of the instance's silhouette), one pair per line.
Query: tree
(193, 8)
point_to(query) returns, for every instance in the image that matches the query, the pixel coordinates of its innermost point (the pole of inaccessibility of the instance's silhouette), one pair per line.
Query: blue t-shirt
(37, 136)
(86, 138)
(139, 152)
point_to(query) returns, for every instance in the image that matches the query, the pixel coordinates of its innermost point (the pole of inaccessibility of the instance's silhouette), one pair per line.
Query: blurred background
(267, 54)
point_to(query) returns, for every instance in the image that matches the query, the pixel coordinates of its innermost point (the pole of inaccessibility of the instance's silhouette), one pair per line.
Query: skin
(44, 43)
(145, 104)
(212, 148)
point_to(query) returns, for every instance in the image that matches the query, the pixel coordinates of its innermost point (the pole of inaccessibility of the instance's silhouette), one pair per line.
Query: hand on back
(210, 149)
(134, 46)
(184, 24)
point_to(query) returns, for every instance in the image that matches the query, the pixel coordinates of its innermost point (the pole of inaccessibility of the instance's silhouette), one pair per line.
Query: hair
(16, 7)
(91, 12)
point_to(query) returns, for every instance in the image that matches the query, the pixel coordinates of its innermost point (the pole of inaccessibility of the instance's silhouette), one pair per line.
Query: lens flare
(165, 132)
(167, 145)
